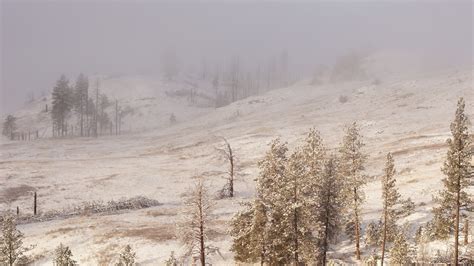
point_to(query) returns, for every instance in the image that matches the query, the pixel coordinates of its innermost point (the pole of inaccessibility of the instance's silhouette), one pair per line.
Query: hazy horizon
(43, 39)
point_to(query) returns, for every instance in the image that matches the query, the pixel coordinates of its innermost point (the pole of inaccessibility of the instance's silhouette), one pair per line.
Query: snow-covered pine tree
(249, 229)
(194, 231)
(11, 242)
(332, 204)
(390, 198)
(297, 199)
(421, 240)
(313, 155)
(127, 257)
(172, 260)
(372, 234)
(400, 253)
(63, 256)
(457, 167)
(352, 166)
(62, 103)
(270, 184)
(81, 91)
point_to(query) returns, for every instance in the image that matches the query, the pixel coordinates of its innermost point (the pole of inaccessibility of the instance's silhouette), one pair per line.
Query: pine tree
(81, 91)
(390, 198)
(172, 260)
(62, 104)
(352, 165)
(9, 126)
(313, 156)
(127, 257)
(265, 230)
(332, 203)
(400, 254)
(248, 230)
(196, 226)
(11, 242)
(457, 167)
(63, 256)
(269, 189)
(372, 234)
(296, 201)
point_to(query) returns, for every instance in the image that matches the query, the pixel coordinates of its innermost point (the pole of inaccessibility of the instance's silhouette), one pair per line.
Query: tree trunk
(34, 204)
(231, 171)
(384, 234)
(295, 221)
(356, 224)
(201, 231)
(466, 231)
(82, 117)
(456, 223)
(326, 229)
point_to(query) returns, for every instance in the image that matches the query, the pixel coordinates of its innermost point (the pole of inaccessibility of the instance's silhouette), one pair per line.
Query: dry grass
(61, 231)
(426, 147)
(155, 233)
(162, 212)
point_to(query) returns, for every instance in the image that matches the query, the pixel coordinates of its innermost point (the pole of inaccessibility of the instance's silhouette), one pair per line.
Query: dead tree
(195, 230)
(34, 204)
(228, 190)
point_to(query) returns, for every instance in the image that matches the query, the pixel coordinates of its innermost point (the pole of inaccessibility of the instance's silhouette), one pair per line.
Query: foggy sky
(42, 39)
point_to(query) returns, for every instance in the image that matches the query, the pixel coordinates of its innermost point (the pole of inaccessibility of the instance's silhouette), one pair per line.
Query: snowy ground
(408, 117)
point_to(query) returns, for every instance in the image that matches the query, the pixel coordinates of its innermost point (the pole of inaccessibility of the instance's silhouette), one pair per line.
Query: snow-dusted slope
(150, 102)
(407, 117)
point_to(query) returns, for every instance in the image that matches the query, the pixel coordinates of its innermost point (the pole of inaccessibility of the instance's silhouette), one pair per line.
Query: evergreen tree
(372, 234)
(172, 260)
(11, 242)
(400, 254)
(313, 156)
(332, 204)
(269, 189)
(352, 165)
(63, 256)
(103, 117)
(127, 257)
(196, 227)
(457, 167)
(9, 126)
(390, 198)
(81, 91)
(62, 104)
(296, 201)
(249, 230)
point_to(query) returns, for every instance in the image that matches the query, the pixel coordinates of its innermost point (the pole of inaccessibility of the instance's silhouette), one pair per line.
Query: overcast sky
(42, 39)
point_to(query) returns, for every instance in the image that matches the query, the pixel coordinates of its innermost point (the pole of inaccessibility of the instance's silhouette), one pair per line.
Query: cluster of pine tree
(88, 112)
(304, 200)
(300, 202)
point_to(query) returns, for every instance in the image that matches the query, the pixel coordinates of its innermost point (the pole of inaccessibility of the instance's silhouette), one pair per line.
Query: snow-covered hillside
(408, 117)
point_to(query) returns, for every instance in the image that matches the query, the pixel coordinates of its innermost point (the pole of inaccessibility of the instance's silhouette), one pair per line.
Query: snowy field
(409, 117)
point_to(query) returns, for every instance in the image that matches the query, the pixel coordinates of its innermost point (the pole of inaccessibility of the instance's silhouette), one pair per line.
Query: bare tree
(228, 190)
(234, 78)
(194, 231)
